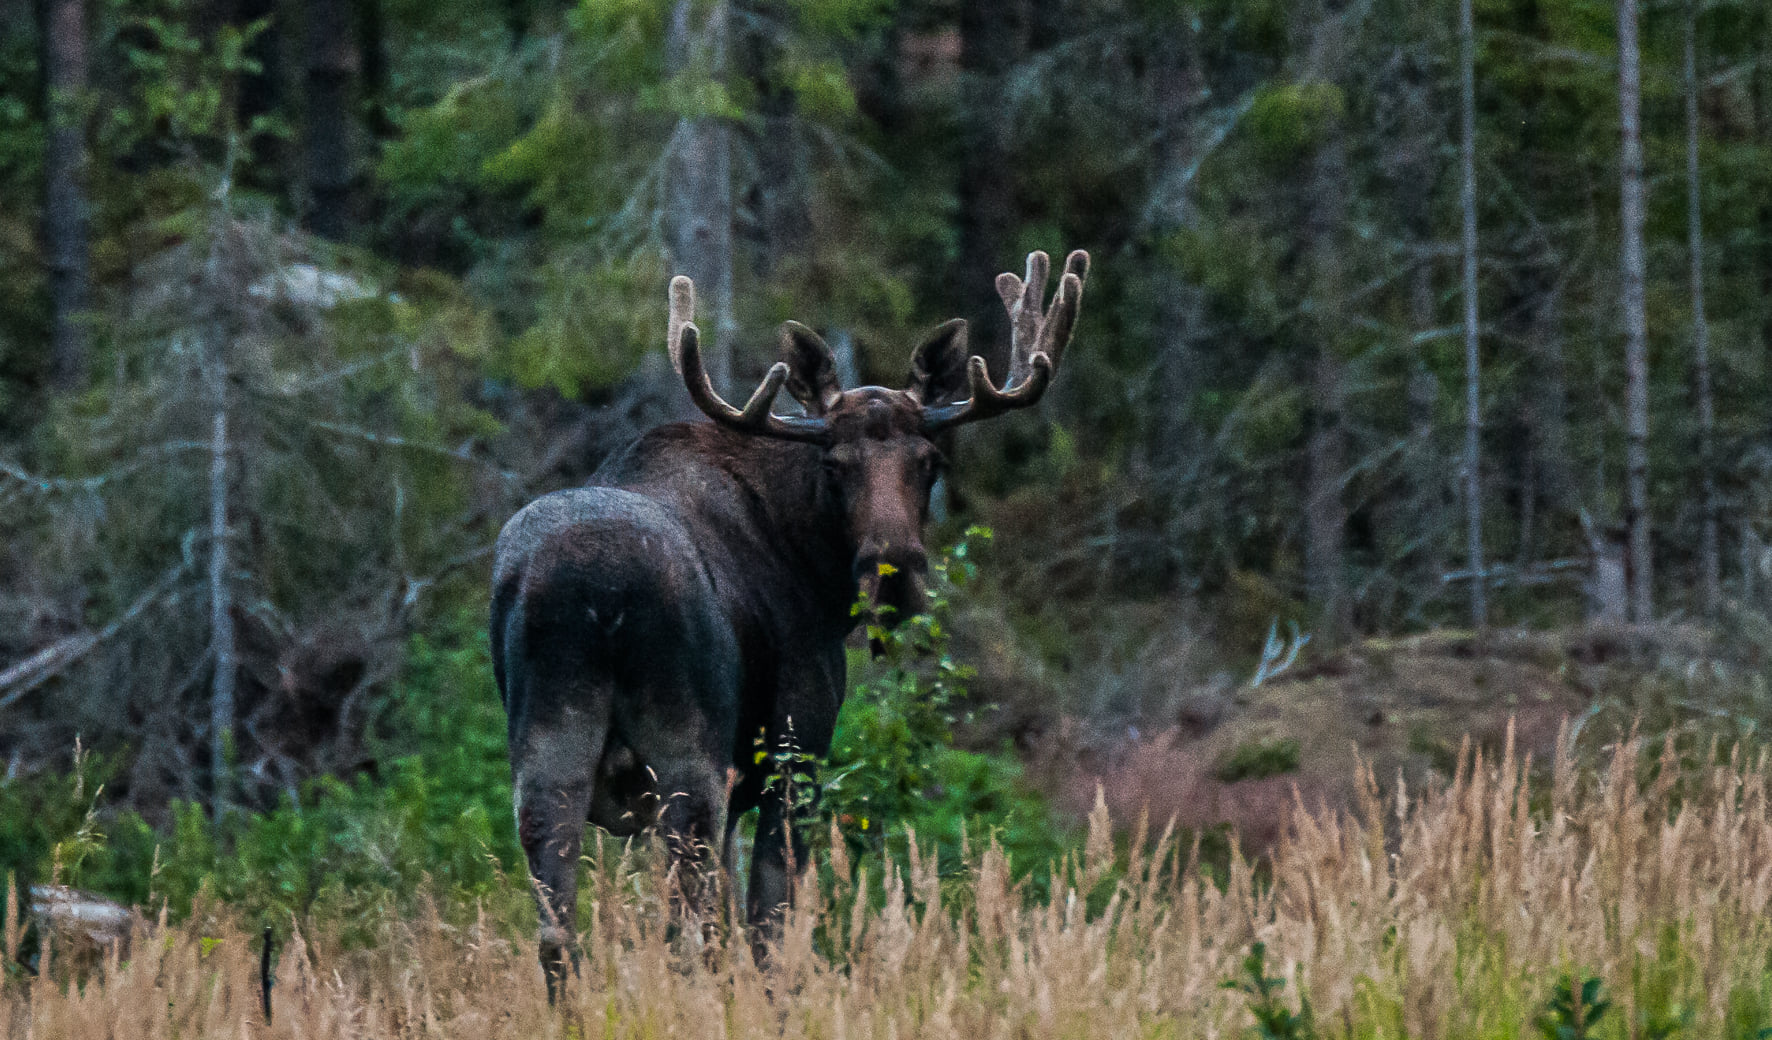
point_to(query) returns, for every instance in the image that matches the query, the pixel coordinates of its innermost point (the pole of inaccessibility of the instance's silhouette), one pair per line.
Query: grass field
(1511, 902)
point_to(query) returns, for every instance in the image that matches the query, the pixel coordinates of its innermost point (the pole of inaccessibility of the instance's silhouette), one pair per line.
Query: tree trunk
(222, 711)
(1761, 80)
(1425, 471)
(698, 190)
(330, 135)
(1633, 303)
(1753, 557)
(1709, 554)
(1325, 515)
(65, 225)
(1549, 499)
(779, 198)
(1175, 81)
(1473, 415)
(372, 46)
(989, 46)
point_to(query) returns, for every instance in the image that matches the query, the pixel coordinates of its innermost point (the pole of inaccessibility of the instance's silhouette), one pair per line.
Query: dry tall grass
(1437, 914)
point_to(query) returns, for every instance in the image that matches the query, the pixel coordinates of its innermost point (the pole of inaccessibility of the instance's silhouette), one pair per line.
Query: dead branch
(26, 675)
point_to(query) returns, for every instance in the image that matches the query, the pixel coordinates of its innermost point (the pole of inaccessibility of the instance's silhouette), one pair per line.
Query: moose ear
(812, 370)
(938, 365)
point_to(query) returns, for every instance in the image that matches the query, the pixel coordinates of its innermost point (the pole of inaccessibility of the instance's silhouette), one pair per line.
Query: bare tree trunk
(1426, 468)
(1636, 326)
(1709, 554)
(698, 206)
(1325, 511)
(330, 134)
(221, 592)
(1175, 80)
(1473, 415)
(63, 39)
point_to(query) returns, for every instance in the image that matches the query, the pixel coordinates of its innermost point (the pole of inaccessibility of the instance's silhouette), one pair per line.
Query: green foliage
(822, 90)
(845, 19)
(52, 831)
(1273, 1019)
(438, 818)
(565, 350)
(1746, 1015)
(444, 147)
(436, 822)
(1260, 758)
(184, 77)
(893, 767)
(1570, 1013)
(1287, 121)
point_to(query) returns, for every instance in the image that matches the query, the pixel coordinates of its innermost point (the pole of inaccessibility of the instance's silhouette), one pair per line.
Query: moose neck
(770, 494)
(811, 529)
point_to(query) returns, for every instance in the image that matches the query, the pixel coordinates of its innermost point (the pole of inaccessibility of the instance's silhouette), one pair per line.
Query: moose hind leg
(778, 858)
(552, 791)
(692, 822)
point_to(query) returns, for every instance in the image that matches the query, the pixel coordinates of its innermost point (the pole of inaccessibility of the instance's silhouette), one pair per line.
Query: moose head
(878, 445)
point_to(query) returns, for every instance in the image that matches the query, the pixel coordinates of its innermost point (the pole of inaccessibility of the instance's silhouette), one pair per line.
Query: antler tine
(755, 417)
(1022, 298)
(1037, 339)
(988, 401)
(1055, 328)
(682, 313)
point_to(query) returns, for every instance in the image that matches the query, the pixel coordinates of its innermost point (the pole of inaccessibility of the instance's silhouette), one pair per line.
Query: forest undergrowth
(1556, 900)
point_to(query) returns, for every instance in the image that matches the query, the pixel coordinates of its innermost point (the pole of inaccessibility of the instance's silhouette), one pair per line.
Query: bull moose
(696, 594)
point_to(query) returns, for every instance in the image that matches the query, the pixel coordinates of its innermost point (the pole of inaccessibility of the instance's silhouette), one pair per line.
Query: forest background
(300, 301)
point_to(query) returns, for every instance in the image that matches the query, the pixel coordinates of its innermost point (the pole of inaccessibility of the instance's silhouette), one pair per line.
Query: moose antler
(1037, 338)
(756, 416)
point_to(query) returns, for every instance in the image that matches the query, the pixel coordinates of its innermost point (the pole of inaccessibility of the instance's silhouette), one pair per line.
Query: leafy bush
(436, 819)
(893, 769)
(1571, 1011)
(52, 831)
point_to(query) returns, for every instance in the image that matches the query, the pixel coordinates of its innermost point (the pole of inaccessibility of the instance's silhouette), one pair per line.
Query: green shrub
(893, 768)
(1571, 1011)
(1260, 758)
(1289, 120)
(1273, 1019)
(436, 820)
(53, 830)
